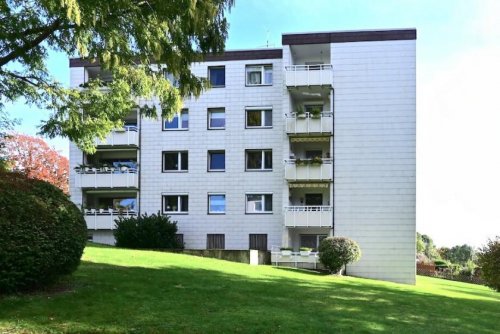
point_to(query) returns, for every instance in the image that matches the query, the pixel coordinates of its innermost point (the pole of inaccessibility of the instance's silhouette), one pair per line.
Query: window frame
(263, 111)
(263, 157)
(209, 211)
(209, 160)
(209, 112)
(179, 203)
(263, 201)
(179, 162)
(209, 77)
(262, 74)
(179, 121)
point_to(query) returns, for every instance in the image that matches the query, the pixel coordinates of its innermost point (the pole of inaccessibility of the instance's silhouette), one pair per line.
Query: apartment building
(292, 144)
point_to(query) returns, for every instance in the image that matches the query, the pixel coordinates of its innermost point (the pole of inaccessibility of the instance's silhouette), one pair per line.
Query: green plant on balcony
(305, 251)
(316, 161)
(286, 251)
(300, 162)
(300, 112)
(315, 112)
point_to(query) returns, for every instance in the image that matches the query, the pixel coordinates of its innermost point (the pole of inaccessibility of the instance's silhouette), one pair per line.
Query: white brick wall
(374, 143)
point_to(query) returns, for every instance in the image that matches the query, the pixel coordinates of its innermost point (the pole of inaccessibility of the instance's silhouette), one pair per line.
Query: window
(215, 241)
(124, 204)
(259, 75)
(216, 118)
(179, 122)
(216, 203)
(258, 241)
(175, 204)
(179, 237)
(314, 199)
(217, 76)
(314, 154)
(176, 161)
(259, 118)
(216, 161)
(259, 160)
(259, 203)
(311, 240)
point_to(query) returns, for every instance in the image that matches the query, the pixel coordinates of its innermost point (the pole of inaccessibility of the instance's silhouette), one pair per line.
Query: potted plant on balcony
(316, 161)
(300, 112)
(286, 251)
(315, 112)
(102, 207)
(305, 251)
(300, 162)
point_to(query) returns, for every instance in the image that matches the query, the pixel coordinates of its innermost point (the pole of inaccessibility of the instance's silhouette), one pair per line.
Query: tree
(489, 262)
(420, 244)
(135, 40)
(32, 157)
(430, 249)
(336, 252)
(6, 125)
(461, 254)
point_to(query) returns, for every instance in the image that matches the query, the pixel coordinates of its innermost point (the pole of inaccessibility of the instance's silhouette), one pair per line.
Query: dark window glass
(268, 202)
(185, 119)
(171, 203)
(173, 124)
(184, 161)
(171, 161)
(254, 159)
(268, 118)
(258, 241)
(184, 203)
(217, 76)
(217, 160)
(268, 159)
(215, 241)
(180, 121)
(254, 118)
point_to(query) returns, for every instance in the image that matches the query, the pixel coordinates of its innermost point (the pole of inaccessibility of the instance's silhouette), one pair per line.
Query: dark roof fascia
(349, 36)
(226, 56)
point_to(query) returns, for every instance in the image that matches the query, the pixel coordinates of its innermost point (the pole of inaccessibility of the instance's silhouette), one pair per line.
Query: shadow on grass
(117, 299)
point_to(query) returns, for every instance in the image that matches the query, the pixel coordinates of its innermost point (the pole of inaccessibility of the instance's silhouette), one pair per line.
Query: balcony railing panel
(129, 135)
(309, 75)
(307, 123)
(107, 178)
(308, 216)
(307, 170)
(104, 219)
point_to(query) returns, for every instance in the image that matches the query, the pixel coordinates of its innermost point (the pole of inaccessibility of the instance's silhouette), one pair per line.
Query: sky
(458, 80)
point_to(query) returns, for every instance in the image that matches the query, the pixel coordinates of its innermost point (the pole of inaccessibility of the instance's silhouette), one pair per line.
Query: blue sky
(458, 75)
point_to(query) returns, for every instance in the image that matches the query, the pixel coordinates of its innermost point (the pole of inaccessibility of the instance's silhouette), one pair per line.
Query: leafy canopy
(136, 40)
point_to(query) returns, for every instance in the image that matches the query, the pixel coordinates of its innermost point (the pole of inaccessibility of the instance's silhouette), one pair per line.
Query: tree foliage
(489, 262)
(459, 254)
(42, 233)
(336, 252)
(430, 249)
(135, 40)
(32, 157)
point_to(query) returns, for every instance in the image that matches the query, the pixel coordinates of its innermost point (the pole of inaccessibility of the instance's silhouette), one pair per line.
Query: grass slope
(124, 291)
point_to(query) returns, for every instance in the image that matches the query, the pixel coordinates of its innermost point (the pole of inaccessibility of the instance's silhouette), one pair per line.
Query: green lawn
(123, 291)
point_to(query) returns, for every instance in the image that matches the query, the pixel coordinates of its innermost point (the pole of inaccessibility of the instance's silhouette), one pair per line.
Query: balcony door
(311, 240)
(314, 199)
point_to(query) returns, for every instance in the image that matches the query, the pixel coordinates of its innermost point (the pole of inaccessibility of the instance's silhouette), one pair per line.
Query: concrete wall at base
(242, 256)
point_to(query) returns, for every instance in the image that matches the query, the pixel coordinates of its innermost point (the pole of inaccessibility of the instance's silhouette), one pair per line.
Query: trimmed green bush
(147, 232)
(489, 261)
(42, 233)
(336, 252)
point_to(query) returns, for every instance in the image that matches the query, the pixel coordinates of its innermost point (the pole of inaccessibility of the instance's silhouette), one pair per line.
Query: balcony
(308, 216)
(309, 75)
(104, 219)
(316, 169)
(129, 135)
(306, 123)
(107, 177)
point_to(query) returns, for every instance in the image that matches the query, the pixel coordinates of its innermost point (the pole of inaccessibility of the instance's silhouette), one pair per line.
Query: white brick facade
(371, 96)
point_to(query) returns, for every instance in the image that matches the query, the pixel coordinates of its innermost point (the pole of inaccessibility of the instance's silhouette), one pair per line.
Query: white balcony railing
(308, 216)
(107, 178)
(129, 135)
(308, 123)
(104, 219)
(309, 170)
(309, 75)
